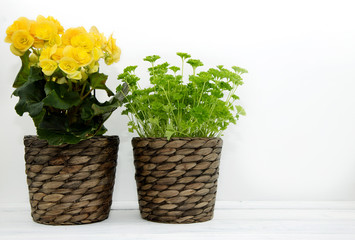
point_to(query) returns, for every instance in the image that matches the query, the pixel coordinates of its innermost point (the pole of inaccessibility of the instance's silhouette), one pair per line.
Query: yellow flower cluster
(74, 51)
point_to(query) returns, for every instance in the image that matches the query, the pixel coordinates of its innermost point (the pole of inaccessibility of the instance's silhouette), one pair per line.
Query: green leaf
(101, 131)
(200, 113)
(35, 74)
(57, 138)
(235, 97)
(131, 126)
(98, 81)
(38, 118)
(130, 79)
(55, 128)
(107, 107)
(220, 67)
(183, 55)
(151, 59)
(59, 97)
(99, 111)
(153, 121)
(22, 75)
(169, 131)
(225, 86)
(174, 69)
(195, 63)
(87, 113)
(160, 69)
(168, 134)
(54, 121)
(122, 75)
(239, 70)
(130, 69)
(85, 131)
(30, 96)
(240, 110)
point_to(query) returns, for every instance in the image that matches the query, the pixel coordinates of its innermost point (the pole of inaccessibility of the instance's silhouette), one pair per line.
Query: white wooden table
(233, 220)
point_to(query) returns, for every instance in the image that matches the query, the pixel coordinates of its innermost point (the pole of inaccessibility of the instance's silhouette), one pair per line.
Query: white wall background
(298, 139)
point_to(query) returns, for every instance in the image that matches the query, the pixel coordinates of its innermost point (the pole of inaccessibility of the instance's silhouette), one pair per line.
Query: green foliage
(31, 94)
(204, 107)
(64, 113)
(183, 55)
(59, 96)
(239, 70)
(98, 81)
(194, 63)
(22, 75)
(151, 59)
(174, 69)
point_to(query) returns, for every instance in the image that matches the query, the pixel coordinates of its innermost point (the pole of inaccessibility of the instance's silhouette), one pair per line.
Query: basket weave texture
(71, 183)
(177, 179)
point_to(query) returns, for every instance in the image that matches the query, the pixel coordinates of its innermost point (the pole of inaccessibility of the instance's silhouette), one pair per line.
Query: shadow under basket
(177, 179)
(71, 183)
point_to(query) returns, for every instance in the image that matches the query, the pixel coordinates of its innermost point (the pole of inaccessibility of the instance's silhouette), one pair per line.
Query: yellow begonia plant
(50, 44)
(59, 76)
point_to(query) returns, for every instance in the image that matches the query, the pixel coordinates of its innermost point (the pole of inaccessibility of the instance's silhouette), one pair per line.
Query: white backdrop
(297, 141)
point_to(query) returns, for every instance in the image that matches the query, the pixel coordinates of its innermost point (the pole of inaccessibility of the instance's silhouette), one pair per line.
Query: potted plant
(70, 166)
(179, 125)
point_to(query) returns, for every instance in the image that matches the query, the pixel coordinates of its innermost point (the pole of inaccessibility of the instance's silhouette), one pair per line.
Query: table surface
(232, 220)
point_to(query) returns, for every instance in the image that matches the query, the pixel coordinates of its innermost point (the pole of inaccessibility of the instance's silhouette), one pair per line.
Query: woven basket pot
(71, 183)
(177, 179)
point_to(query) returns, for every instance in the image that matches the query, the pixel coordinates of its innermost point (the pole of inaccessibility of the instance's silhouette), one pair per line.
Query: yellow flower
(20, 24)
(99, 43)
(68, 65)
(15, 51)
(78, 54)
(113, 58)
(98, 37)
(38, 43)
(57, 23)
(22, 40)
(48, 66)
(44, 29)
(58, 54)
(75, 76)
(47, 52)
(83, 40)
(70, 33)
(112, 50)
(111, 46)
(55, 40)
(97, 53)
(93, 67)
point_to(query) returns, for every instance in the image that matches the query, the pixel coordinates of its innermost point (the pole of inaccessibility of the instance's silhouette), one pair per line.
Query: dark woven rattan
(177, 179)
(71, 183)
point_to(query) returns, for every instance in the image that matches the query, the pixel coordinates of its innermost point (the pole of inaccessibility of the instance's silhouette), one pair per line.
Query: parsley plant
(203, 107)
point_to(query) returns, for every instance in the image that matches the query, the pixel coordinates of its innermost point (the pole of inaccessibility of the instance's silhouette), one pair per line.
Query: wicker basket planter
(71, 183)
(177, 179)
